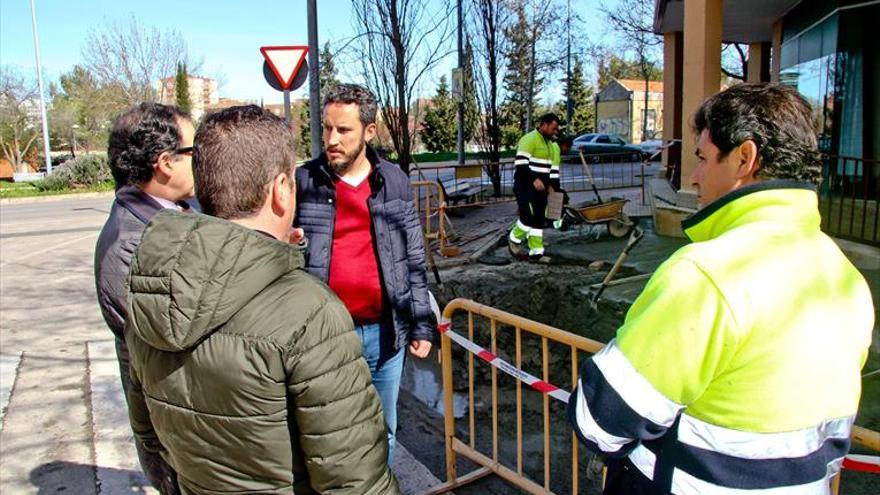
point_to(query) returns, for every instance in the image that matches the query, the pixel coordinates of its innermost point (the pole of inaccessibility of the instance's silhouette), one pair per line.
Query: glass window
(603, 139)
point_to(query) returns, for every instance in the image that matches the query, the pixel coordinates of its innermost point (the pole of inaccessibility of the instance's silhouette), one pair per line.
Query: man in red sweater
(365, 241)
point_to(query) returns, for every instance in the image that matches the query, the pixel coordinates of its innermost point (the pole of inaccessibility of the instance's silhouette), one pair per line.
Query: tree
(612, 67)
(734, 61)
(79, 100)
(440, 127)
(402, 40)
(518, 105)
(581, 95)
(134, 57)
(181, 88)
(633, 20)
(487, 65)
(532, 51)
(19, 117)
(327, 77)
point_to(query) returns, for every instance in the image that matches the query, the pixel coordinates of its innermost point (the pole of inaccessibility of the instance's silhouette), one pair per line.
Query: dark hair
(548, 118)
(238, 152)
(359, 95)
(138, 137)
(775, 117)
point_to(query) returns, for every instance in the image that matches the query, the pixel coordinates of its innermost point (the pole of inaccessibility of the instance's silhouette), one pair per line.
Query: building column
(776, 57)
(759, 67)
(673, 51)
(702, 73)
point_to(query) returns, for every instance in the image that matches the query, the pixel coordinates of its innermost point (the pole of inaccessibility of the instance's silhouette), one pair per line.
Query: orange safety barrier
(490, 462)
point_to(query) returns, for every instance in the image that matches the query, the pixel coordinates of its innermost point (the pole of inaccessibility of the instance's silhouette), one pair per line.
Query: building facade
(202, 93)
(620, 109)
(821, 47)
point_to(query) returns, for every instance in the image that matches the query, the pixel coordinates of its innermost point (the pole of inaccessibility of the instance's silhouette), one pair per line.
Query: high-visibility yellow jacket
(738, 367)
(534, 157)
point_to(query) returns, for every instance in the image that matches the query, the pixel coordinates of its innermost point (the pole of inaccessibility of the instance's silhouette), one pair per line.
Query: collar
(786, 201)
(140, 204)
(377, 164)
(165, 203)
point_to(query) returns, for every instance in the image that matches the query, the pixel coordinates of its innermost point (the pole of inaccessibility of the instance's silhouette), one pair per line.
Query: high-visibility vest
(738, 367)
(534, 153)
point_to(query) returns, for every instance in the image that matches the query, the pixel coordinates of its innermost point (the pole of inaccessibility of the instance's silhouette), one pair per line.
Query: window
(602, 138)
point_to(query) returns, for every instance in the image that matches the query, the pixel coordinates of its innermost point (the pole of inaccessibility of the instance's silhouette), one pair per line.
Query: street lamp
(73, 129)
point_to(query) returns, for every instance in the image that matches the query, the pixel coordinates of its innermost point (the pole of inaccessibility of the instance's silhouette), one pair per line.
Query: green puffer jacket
(246, 373)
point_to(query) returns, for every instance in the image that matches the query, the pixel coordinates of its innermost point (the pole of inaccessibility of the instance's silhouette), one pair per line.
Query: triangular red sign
(284, 61)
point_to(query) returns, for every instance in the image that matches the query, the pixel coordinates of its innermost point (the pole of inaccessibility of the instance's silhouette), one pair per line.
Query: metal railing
(491, 462)
(470, 184)
(849, 197)
(430, 205)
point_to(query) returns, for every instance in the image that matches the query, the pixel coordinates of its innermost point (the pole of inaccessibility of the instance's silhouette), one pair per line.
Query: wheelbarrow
(598, 212)
(609, 213)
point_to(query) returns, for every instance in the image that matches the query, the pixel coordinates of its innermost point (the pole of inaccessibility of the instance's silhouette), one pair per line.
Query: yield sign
(284, 61)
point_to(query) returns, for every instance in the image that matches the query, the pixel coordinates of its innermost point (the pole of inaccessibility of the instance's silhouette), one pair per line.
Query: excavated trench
(556, 295)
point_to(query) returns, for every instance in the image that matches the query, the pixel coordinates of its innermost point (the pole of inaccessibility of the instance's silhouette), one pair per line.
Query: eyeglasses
(184, 151)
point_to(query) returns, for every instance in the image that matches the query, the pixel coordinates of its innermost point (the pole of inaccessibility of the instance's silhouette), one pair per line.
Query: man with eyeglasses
(150, 156)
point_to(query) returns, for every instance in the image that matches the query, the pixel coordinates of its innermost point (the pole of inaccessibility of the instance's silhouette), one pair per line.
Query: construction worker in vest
(531, 183)
(738, 366)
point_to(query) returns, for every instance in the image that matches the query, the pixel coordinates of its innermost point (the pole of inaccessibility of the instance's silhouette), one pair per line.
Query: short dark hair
(238, 152)
(775, 117)
(138, 137)
(548, 118)
(359, 95)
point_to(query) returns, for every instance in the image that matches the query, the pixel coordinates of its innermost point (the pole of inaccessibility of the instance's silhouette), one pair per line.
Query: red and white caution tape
(864, 463)
(530, 380)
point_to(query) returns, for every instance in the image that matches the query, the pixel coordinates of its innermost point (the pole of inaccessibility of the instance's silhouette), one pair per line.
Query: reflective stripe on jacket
(534, 153)
(738, 367)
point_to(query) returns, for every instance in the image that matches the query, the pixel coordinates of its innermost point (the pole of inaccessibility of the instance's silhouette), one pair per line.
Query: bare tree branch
(403, 40)
(135, 57)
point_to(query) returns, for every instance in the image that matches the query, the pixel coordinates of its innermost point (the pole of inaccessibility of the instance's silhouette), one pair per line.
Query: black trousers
(623, 478)
(532, 204)
(158, 472)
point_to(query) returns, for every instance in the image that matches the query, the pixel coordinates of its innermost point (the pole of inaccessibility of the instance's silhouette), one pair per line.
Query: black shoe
(540, 258)
(517, 251)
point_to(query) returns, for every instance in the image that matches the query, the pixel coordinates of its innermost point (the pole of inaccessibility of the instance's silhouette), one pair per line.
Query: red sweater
(354, 270)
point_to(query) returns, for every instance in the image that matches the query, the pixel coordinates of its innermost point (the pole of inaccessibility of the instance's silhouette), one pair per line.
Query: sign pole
(42, 93)
(460, 109)
(314, 80)
(287, 105)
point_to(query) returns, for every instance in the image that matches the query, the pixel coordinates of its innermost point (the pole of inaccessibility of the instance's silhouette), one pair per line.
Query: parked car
(650, 148)
(603, 147)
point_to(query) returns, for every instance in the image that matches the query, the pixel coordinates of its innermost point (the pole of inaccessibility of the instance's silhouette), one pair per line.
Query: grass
(26, 190)
(452, 156)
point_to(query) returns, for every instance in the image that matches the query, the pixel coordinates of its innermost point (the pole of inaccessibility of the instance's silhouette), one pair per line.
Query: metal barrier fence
(470, 184)
(430, 204)
(490, 462)
(849, 197)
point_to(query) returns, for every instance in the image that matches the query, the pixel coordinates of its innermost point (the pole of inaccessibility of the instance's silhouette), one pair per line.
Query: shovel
(634, 239)
(590, 176)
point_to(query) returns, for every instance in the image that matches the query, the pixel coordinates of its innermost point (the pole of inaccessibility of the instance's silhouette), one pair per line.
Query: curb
(57, 197)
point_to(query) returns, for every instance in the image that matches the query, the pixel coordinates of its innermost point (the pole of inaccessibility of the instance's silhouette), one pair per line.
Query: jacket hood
(192, 273)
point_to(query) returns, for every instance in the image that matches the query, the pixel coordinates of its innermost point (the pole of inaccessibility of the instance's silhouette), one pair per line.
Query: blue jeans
(386, 367)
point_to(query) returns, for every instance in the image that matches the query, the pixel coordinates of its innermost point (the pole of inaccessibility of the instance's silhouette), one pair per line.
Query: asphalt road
(63, 419)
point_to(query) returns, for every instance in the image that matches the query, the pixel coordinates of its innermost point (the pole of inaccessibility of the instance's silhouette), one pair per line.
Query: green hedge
(84, 171)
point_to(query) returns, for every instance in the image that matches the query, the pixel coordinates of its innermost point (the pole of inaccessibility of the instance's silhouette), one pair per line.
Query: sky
(225, 34)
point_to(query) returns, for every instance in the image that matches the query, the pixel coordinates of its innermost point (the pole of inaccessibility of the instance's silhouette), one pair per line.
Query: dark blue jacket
(129, 216)
(397, 239)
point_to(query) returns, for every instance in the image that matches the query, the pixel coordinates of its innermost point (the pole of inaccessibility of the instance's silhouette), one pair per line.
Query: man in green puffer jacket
(246, 374)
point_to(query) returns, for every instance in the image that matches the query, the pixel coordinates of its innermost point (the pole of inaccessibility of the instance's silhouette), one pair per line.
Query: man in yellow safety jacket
(531, 182)
(738, 367)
